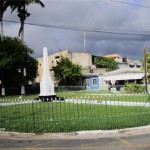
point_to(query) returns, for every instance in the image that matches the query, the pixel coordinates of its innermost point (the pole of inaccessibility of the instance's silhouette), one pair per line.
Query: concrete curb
(113, 131)
(78, 134)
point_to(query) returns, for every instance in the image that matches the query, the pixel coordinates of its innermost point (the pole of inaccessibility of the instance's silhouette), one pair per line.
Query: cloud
(93, 14)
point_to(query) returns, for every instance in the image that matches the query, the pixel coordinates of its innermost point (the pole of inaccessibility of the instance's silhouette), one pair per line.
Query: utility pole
(84, 35)
(145, 67)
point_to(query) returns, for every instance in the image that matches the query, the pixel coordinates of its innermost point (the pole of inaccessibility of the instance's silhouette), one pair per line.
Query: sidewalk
(124, 139)
(78, 134)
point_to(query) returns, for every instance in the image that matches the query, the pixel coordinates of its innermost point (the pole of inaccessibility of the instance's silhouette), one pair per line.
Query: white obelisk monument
(46, 84)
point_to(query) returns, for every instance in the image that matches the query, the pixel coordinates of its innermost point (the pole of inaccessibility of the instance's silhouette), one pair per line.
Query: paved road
(126, 139)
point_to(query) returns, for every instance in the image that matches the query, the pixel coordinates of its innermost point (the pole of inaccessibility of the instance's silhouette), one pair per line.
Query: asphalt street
(124, 139)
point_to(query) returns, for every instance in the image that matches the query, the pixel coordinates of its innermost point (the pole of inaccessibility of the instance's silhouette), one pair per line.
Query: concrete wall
(103, 84)
(123, 65)
(83, 59)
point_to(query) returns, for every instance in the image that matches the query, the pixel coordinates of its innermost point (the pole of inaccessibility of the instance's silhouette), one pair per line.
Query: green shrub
(134, 88)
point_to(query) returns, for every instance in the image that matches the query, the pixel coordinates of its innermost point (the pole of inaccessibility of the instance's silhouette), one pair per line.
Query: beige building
(125, 67)
(81, 58)
(123, 62)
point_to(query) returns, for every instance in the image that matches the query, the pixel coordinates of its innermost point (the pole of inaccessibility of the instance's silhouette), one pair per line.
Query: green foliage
(134, 88)
(67, 73)
(31, 68)
(3, 7)
(15, 55)
(103, 62)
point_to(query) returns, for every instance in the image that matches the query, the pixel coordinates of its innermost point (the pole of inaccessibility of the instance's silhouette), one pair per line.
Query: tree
(23, 13)
(2, 10)
(3, 7)
(67, 73)
(12, 53)
(103, 62)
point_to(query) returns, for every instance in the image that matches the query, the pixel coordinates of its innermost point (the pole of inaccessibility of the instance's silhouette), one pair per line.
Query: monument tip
(44, 48)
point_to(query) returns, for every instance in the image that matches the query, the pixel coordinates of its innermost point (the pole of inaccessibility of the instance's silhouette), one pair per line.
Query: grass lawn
(65, 117)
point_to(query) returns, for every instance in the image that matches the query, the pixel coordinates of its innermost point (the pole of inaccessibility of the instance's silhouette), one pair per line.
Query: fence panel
(100, 112)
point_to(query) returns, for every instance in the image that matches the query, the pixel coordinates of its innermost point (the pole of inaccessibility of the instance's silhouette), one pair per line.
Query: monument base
(50, 98)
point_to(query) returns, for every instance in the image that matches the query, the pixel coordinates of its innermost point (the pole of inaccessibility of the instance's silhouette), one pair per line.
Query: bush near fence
(134, 88)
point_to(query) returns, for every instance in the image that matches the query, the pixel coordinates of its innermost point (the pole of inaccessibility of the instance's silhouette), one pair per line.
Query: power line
(126, 3)
(82, 29)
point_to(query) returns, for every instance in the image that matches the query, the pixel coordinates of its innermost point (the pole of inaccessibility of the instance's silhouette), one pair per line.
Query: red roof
(112, 55)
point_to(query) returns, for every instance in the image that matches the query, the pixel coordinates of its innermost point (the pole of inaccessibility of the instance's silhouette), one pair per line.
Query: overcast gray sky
(94, 16)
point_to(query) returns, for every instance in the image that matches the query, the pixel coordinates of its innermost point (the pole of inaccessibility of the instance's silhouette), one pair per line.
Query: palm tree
(1, 17)
(23, 13)
(4, 4)
(3, 7)
(2, 10)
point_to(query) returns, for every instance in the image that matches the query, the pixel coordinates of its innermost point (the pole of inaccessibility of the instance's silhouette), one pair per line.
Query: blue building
(92, 82)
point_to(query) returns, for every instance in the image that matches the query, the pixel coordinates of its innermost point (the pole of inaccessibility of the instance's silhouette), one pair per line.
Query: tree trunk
(22, 70)
(22, 38)
(1, 25)
(1, 29)
(1, 33)
(2, 83)
(22, 90)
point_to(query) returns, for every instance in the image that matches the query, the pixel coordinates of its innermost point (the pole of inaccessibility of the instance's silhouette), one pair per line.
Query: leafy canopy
(103, 62)
(21, 7)
(134, 88)
(15, 55)
(67, 73)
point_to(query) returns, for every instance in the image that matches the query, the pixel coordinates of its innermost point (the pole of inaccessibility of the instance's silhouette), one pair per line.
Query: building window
(138, 66)
(56, 57)
(94, 82)
(91, 70)
(131, 66)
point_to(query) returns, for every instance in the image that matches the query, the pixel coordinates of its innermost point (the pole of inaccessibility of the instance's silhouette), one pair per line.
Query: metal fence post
(33, 117)
(106, 111)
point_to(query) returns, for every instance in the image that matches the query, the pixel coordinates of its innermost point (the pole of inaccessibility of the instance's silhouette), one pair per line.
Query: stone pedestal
(47, 98)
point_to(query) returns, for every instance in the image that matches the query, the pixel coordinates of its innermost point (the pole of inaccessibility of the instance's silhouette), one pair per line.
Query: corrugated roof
(126, 76)
(124, 70)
